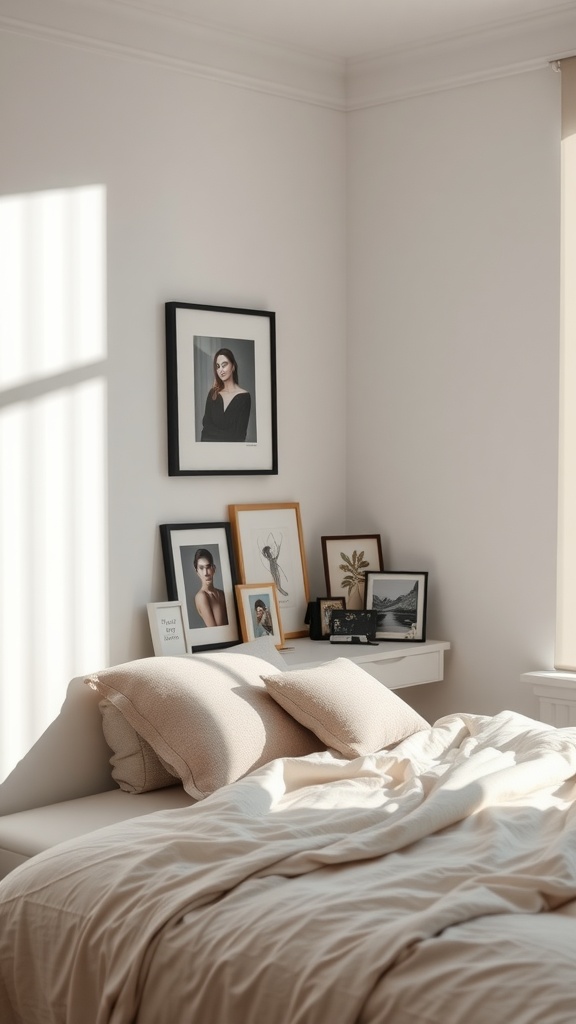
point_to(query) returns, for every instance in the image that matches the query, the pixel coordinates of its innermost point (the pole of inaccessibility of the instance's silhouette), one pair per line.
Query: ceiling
(352, 29)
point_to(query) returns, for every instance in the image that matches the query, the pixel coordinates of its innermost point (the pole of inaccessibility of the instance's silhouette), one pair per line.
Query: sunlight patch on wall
(52, 267)
(53, 579)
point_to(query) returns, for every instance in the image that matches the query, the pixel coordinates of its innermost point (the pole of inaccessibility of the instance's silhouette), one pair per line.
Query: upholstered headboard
(71, 759)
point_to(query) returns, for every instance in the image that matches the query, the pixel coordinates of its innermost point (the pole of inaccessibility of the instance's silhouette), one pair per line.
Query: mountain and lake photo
(396, 611)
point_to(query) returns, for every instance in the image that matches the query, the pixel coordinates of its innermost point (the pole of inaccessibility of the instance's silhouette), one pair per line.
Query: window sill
(550, 680)
(556, 693)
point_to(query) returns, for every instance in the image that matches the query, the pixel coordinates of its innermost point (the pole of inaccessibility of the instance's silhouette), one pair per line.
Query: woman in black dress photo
(228, 405)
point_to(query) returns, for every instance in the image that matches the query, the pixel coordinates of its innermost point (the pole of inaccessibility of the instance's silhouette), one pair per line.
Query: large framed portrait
(201, 575)
(399, 599)
(346, 561)
(269, 547)
(221, 390)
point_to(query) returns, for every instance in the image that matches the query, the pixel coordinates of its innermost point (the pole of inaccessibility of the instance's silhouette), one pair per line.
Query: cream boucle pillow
(347, 708)
(135, 766)
(208, 717)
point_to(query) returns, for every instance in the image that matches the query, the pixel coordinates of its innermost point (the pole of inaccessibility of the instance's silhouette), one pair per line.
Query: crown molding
(512, 49)
(141, 33)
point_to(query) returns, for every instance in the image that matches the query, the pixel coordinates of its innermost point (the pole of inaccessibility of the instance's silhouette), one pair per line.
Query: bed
(367, 867)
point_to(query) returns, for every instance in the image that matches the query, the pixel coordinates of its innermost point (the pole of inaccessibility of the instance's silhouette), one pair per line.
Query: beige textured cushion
(207, 717)
(347, 708)
(135, 766)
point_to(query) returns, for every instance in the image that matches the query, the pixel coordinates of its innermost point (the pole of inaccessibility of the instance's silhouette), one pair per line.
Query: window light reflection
(53, 607)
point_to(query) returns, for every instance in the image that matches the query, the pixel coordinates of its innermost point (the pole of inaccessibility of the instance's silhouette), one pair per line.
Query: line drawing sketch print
(269, 550)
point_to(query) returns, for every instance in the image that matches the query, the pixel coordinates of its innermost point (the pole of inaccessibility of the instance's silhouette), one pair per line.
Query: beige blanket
(433, 883)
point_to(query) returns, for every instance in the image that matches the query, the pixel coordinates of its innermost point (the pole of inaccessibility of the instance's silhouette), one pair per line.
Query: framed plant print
(269, 546)
(201, 575)
(167, 628)
(346, 561)
(259, 612)
(399, 598)
(221, 390)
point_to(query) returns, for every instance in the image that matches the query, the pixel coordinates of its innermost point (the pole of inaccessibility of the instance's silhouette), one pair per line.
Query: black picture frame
(400, 599)
(204, 437)
(181, 543)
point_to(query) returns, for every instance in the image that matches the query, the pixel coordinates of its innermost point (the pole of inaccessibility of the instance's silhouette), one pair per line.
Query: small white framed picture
(259, 612)
(167, 628)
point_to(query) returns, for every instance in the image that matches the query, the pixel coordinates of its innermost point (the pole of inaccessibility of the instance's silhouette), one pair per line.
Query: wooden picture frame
(210, 433)
(259, 612)
(346, 561)
(201, 574)
(400, 599)
(268, 543)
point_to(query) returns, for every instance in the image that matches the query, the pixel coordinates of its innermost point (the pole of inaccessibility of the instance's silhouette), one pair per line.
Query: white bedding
(433, 884)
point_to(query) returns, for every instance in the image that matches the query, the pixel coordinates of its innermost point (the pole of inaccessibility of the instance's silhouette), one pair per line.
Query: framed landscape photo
(201, 575)
(167, 628)
(259, 612)
(221, 390)
(399, 598)
(346, 561)
(269, 546)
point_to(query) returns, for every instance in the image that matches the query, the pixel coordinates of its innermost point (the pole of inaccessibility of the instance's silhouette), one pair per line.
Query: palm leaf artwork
(353, 567)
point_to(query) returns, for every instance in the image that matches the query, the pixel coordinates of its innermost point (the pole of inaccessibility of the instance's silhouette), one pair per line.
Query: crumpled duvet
(435, 882)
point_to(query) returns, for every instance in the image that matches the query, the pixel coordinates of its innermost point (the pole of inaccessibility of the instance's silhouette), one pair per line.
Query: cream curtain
(565, 656)
(568, 72)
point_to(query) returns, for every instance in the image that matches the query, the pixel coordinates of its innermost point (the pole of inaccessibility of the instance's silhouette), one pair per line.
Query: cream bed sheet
(434, 883)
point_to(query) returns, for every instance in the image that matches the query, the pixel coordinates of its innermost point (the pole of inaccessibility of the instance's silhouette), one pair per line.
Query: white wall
(446, 388)
(453, 362)
(216, 195)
